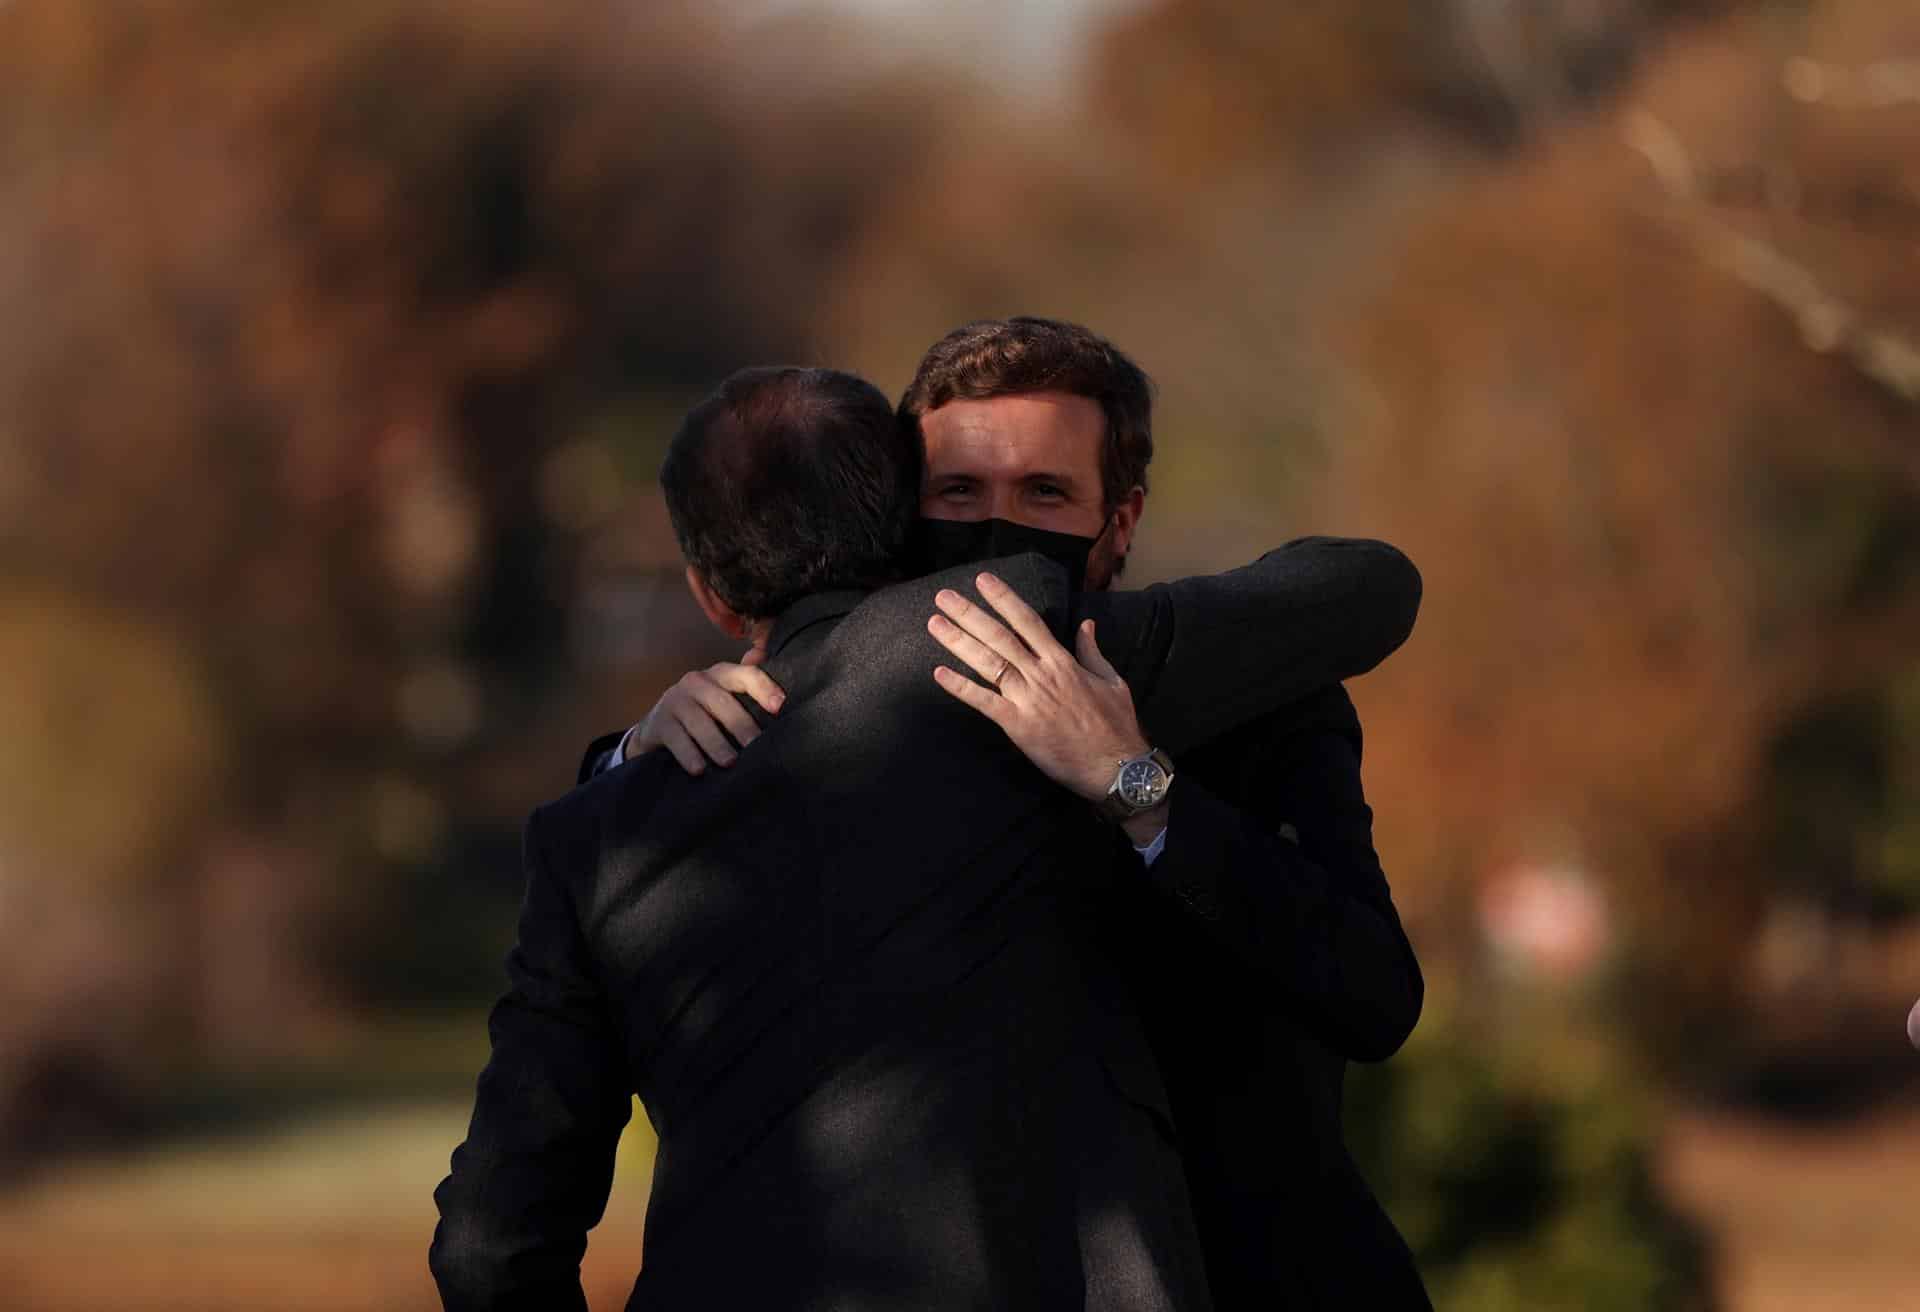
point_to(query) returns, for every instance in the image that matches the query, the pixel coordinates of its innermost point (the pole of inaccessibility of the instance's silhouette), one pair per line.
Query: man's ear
(1126, 518)
(722, 616)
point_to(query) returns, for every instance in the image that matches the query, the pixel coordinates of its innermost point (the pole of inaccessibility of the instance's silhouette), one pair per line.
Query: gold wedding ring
(1005, 665)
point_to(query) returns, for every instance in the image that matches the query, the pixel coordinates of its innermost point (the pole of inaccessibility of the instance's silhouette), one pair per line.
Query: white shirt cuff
(618, 756)
(1151, 852)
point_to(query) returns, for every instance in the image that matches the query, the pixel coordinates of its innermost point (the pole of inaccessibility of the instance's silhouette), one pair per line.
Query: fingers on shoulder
(731, 716)
(689, 686)
(679, 743)
(756, 683)
(984, 700)
(1087, 643)
(1023, 619)
(761, 687)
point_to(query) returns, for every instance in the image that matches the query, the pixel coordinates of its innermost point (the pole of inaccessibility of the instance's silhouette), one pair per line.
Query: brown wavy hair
(1012, 357)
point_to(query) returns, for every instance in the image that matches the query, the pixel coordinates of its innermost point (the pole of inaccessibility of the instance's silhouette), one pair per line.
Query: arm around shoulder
(1207, 654)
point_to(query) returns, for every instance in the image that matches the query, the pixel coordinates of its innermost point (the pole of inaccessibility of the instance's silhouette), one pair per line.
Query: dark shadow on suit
(855, 982)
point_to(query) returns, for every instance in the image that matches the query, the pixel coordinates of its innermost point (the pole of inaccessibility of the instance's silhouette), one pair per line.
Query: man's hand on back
(689, 717)
(1074, 719)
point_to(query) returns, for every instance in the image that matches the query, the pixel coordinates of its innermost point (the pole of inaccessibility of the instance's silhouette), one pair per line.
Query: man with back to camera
(1260, 939)
(887, 1064)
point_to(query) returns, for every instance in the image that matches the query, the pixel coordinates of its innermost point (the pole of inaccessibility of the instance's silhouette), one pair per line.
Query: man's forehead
(1054, 430)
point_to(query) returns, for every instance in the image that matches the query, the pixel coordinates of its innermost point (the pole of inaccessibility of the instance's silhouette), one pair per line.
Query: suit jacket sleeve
(1204, 655)
(537, 1166)
(599, 753)
(1314, 917)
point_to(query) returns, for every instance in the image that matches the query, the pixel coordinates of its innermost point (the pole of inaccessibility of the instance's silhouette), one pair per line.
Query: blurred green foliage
(1518, 1162)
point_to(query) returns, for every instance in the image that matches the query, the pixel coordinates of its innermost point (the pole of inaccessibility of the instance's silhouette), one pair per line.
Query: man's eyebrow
(1042, 476)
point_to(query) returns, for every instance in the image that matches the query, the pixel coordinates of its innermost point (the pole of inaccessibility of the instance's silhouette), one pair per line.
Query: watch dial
(1140, 783)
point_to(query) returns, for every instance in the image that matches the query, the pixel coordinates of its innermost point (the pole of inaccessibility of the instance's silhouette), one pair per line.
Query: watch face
(1141, 783)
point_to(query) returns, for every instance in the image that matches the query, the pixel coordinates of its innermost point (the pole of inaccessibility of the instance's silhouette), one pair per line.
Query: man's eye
(1048, 490)
(955, 491)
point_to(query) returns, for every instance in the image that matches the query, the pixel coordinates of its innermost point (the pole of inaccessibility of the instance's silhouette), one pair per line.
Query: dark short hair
(1011, 357)
(788, 481)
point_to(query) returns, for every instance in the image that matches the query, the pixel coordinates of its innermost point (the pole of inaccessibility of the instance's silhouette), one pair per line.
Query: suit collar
(807, 612)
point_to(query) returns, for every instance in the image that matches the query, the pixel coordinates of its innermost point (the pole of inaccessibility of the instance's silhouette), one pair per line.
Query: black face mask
(945, 543)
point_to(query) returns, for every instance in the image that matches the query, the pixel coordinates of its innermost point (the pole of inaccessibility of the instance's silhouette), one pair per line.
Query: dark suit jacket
(1268, 954)
(851, 980)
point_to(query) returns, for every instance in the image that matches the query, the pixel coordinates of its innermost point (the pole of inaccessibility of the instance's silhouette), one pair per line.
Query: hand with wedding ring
(1074, 719)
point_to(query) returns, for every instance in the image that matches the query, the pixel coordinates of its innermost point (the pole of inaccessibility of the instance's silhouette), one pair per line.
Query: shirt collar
(807, 612)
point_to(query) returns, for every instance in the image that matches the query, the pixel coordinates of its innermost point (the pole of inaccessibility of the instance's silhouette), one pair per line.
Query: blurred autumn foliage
(341, 341)
(332, 335)
(1645, 405)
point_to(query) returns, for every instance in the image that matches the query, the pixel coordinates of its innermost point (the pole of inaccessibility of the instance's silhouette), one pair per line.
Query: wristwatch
(1140, 784)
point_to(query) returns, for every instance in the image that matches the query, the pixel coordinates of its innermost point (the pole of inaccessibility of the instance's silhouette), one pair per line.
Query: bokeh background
(338, 346)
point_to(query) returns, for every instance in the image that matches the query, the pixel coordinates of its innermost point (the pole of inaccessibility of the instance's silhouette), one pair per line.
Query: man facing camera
(851, 978)
(1253, 922)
